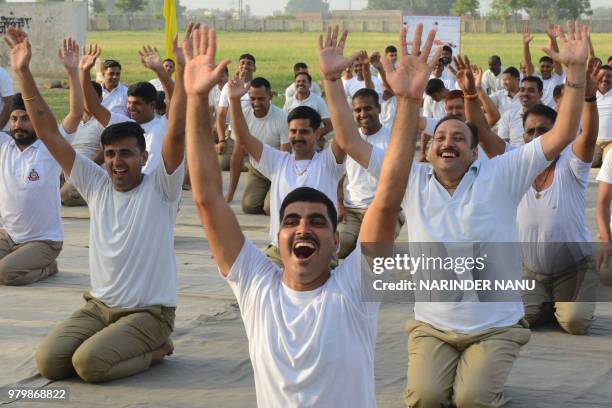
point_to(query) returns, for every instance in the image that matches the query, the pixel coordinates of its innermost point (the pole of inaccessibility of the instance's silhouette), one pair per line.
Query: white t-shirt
(6, 89)
(290, 91)
(115, 100)
(157, 84)
(272, 129)
(361, 185)
(388, 109)
(154, 132)
(433, 109)
(213, 98)
(604, 107)
(245, 100)
(313, 101)
(549, 87)
(354, 84)
(511, 126)
(287, 174)
(87, 137)
(30, 204)
(308, 349)
(605, 173)
(482, 210)
(131, 235)
(491, 82)
(557, 216)
(503, 102)
(449, 80)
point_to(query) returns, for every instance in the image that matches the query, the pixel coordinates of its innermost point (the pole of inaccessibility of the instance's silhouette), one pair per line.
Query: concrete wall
(46, 24)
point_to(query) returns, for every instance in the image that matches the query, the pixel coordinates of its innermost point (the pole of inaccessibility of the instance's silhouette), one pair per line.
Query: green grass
(277, 52)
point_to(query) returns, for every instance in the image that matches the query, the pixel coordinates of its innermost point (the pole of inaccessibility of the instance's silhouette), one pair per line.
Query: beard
(28, 139)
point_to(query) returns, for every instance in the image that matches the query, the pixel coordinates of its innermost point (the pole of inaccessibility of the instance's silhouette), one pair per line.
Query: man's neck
(512, 93)
(147, 120)
(22, 147)
(262, 115)
(305, 286)
(371, 131)
(107, 89)
(450, 181)
(602, 92)
(301, 96)
(306, 156)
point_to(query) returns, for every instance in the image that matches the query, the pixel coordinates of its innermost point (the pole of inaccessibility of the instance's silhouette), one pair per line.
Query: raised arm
(490, 110)
(92, 103)
(41, 116)
(375, 61)
(492, 144)
(69, 56)
(149, 56)
(333, 64)
(173, 149)
(366, 72)
(222, 229)
(408, 82)
(236, 88)
(574, 53)
(527, 38)
(584, 146)
(551, 31)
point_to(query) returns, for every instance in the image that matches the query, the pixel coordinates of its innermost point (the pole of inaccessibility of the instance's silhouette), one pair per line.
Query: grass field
(277, 52)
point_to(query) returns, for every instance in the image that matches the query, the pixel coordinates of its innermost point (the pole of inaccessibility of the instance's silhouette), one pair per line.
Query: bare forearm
(236, 161)
(584, 147)
(603, 211)
(220, 124)
(241, 130)
(492, 144)
(174, 143)
(492, 113)
(166, 82)
(327, 127)
(527, 59)
(71, 121)
(91, 101)
(552, 44)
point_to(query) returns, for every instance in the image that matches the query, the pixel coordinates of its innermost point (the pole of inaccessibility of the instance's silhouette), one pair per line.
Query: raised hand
(527, 37)
(478, 73)
(179, 51)
(410, 78)
(551, 31)
(465, 76)
(201, 72)
(21, 49)
(88, 60)
(375, 61)
(574, 47)
(149, 56)
(594, 75)
(69, 54)
(236, 88)
(331, 58)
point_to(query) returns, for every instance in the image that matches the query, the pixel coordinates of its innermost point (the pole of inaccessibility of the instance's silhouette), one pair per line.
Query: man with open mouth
(311, 334)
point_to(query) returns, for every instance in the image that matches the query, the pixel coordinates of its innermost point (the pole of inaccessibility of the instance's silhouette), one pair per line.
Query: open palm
(201, 73)
(149, 56)
(236, 88)
(88, 59)
(69, 54)
(574, 47)
(21, 50)
(331, 59)
(465, 75)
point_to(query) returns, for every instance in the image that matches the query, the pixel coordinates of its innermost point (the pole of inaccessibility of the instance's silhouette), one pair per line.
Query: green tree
(462, 7)
(97, 7)
(438, 7)
(306, 6)
(573, 9)
(130, 6)
(507, 8)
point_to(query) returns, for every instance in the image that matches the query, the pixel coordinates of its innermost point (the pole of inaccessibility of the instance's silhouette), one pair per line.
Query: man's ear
(144, 158)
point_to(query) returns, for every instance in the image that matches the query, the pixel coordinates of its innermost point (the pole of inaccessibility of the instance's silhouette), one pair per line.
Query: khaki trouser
(467, 370)
(29, 262)
(601, 150)
(350, 227)
(256, 197)
(578, 283)
(103, 344)
(70, 196)
(225, 158)
(273, 254)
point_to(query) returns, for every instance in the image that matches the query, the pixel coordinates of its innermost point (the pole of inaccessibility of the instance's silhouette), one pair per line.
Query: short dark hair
(310, 195)
(473, 129)
(495, 58)
(434, 85)
(447, 48)
(538, 81)
(160, 101)
(610, 58)
(110, 63)
(98, 88)
(169, 59)
(261, 82)
(558, 91)
(606, 67)
(540, 110)
(546, 58)
(124, 130)
(454, 94)
(513, 72)
(365, 93)
(144, 90)
(247, 57)
(390, 48)
(305, 112)
(18, 103)
(297, 74)
(299, 65)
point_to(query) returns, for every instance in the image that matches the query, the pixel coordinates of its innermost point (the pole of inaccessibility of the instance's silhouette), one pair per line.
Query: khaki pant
(601, 150)
(29, 262)
(467, 370)
(256, 197)
(350, 227)
(579, 283)
(225, 158)
(71, 197)
(102, 344)
(273, 254)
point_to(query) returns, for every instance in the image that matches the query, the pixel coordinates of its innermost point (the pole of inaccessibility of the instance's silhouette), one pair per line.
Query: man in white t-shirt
(125, 325)
(508, 97)
(492, 77)
(604, 199)
(304, 96)
(268, 123)
(114, 93)
(298, 68)
(295, 317)
(443, 75)
(225, 144)
(462, 352)
(354, 201)
(556, 242)
(604, 106)
(510, 126)
(433, 103)
(6, 98)
(362, 78)
(168, 66)
(141, 109)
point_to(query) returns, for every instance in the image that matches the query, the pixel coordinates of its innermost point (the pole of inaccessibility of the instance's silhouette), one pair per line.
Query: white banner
(449, 31)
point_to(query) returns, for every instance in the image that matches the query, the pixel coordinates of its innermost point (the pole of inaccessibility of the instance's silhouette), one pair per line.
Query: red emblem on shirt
(33, 176)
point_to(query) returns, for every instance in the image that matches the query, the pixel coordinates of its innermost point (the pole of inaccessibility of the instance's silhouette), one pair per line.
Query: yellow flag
(170, 16)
